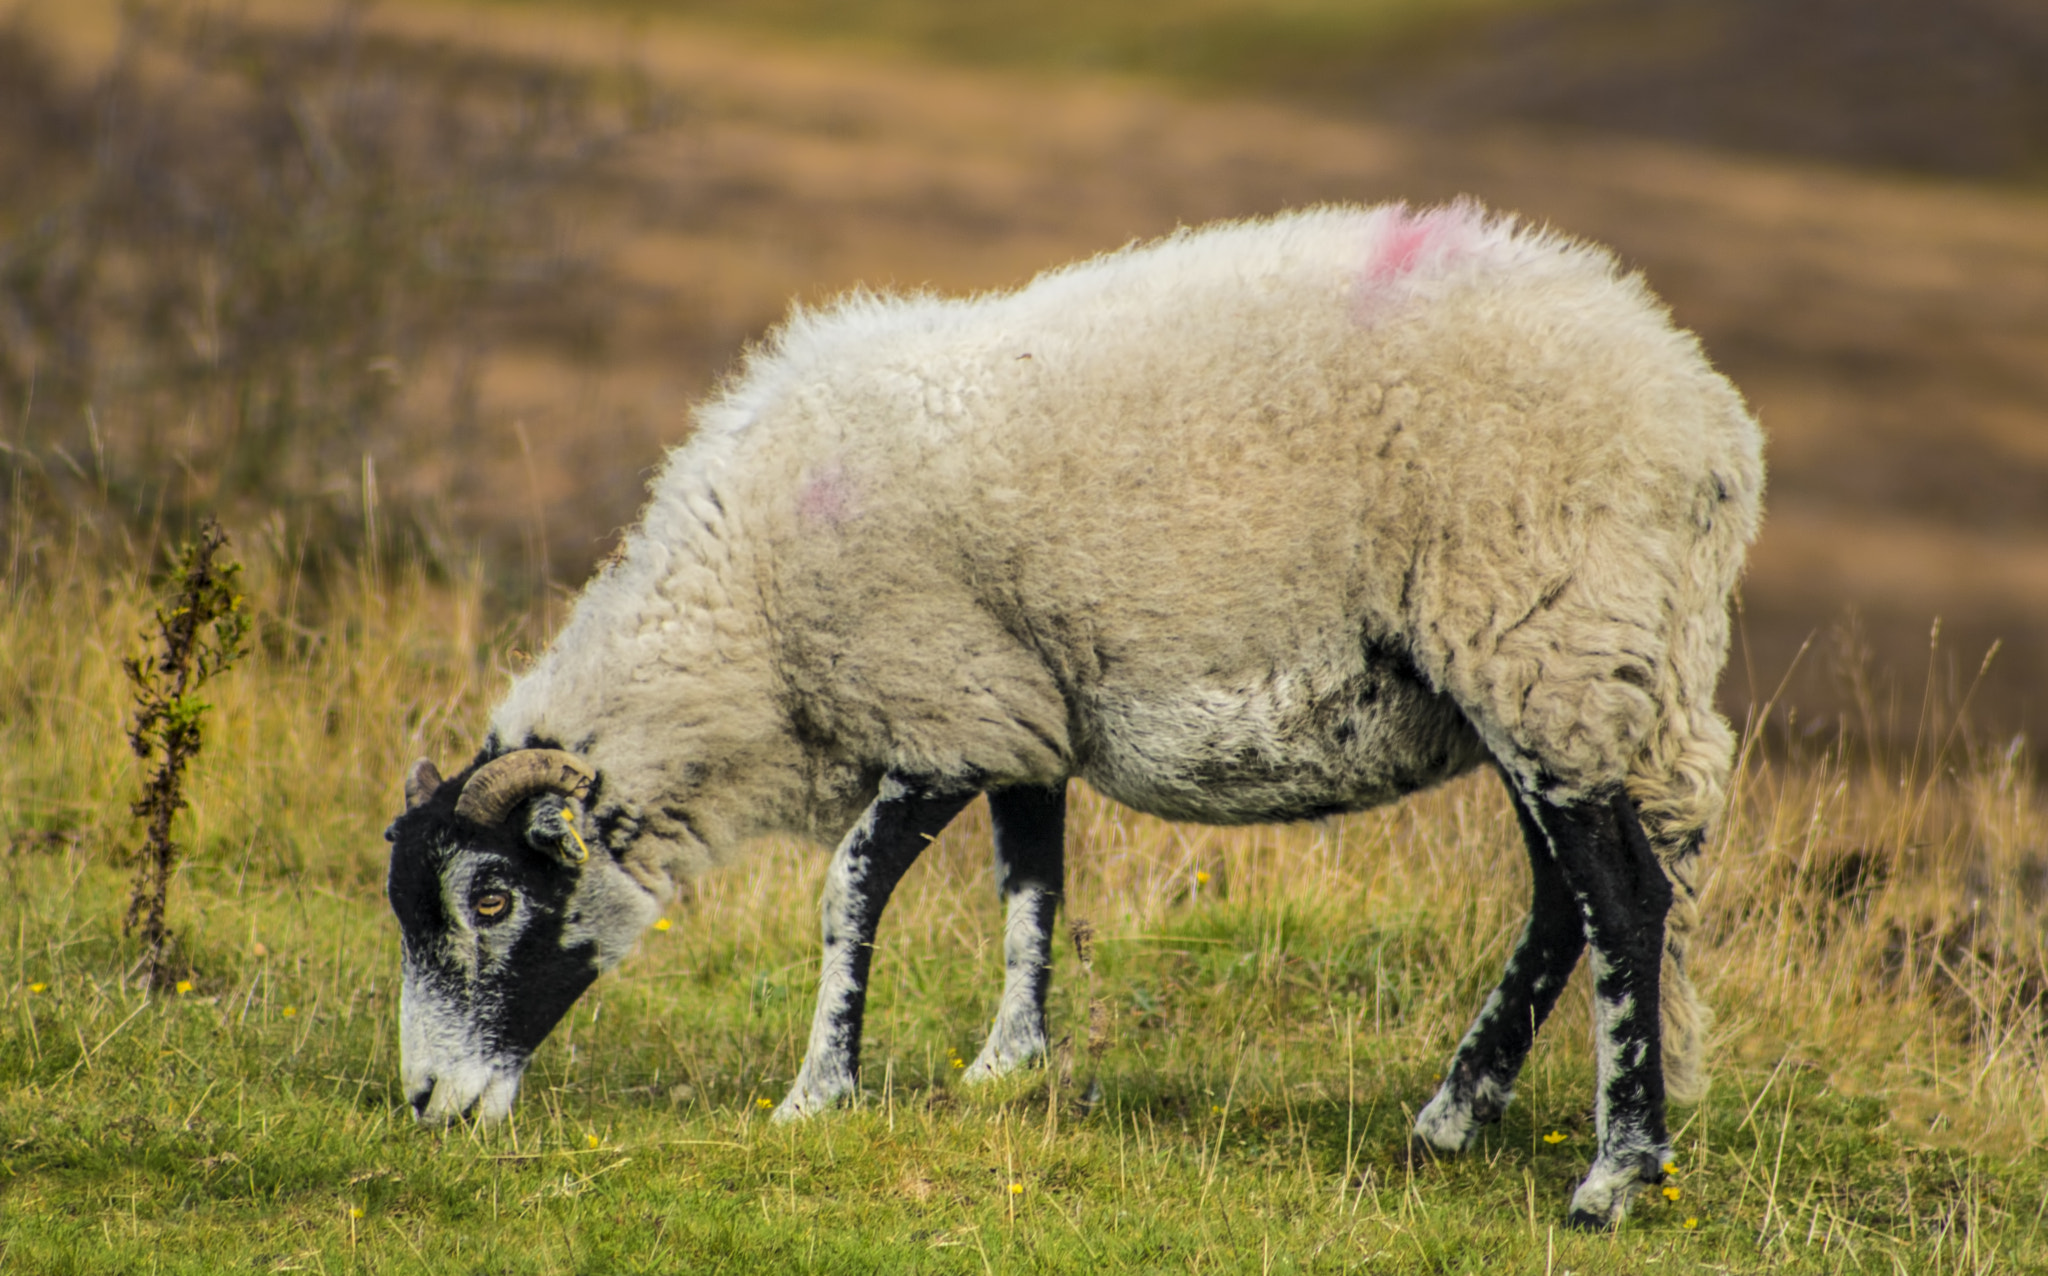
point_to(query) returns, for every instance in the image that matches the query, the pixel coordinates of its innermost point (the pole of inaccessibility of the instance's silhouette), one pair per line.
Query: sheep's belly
(1279, 749)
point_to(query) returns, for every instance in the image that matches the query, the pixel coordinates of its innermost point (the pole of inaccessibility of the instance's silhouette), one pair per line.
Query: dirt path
(1892, 334)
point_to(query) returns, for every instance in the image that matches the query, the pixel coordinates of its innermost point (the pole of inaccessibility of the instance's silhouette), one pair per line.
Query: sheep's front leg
(904, 817)
(1480, 1081)
(1030, 829)
(1623, 895)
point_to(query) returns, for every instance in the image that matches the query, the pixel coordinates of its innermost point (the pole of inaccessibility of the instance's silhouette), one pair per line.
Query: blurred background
(439, 282)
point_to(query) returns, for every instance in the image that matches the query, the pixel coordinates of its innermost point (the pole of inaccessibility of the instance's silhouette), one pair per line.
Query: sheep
(1266, 521)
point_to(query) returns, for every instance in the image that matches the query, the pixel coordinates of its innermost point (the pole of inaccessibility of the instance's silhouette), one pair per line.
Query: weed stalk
(199, 633)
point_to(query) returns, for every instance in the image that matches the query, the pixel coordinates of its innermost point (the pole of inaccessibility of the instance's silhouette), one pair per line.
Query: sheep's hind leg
(904, 817)
(1623, 894)
(1030, 832)
(1480, 1081)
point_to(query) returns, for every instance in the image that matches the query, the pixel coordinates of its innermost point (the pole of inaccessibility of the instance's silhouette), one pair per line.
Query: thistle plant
(199, 633)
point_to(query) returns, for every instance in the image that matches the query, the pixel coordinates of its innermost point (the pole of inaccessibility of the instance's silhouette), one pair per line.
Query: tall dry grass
(1265, 1006)
(306, 735)
(1879, 915)
(1876, 919)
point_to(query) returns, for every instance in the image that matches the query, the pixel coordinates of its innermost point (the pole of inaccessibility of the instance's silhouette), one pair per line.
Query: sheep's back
(1224, 481)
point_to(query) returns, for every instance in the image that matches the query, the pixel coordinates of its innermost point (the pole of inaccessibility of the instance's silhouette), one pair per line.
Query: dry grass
(1889, 331)
(1274, 1003)
(1266, 1005)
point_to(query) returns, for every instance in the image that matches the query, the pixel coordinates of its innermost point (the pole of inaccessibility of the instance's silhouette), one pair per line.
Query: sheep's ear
(554, 828)
(420, 783)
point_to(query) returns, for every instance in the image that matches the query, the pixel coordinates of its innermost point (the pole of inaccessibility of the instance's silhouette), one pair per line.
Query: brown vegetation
(673, 189)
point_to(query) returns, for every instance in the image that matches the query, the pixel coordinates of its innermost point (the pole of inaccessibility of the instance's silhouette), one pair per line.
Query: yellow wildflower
(184, 986)
(662, 924)
(1016, 1189)
(289, 1011)
(1671, 1167)
(37, 987)
(355, 1211)
(1555, 1136)
(1670, 1193)
(1201, 878)
(590, 1139)
(764, 1102)
(1691, 1223)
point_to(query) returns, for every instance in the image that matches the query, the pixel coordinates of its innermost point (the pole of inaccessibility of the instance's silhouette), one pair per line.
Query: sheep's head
(507, 910)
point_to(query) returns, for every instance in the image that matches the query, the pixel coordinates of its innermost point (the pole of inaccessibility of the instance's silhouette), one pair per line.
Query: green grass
(1269, 1031)
(1290, 45)
(1256, 1104)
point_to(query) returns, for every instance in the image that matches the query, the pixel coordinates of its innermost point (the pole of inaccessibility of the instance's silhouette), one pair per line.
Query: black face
(498, 942)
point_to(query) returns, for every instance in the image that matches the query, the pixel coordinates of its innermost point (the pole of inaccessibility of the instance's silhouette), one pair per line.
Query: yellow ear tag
(569, 821)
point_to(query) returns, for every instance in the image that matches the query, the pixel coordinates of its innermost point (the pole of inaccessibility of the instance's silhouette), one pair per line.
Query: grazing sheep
(1265, 521)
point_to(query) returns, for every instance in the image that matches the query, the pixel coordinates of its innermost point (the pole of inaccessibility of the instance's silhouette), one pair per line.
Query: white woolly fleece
(1146, 520)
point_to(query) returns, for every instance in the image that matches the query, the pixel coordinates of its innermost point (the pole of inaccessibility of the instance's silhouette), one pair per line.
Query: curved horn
(503, 783)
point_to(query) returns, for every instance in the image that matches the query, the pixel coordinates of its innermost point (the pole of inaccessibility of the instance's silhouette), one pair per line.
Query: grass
(1275, 1004)
(1261, 45)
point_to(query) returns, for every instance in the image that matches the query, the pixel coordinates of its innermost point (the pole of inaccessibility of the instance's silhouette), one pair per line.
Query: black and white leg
(1030, 832)
(1623, 895)
(1480, 1081)
(903, 819)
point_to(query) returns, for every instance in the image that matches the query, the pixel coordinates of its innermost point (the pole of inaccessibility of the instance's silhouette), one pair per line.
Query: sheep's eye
(492, 906)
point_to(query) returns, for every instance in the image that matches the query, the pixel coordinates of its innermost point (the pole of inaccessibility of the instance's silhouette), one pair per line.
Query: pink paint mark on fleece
(1404, 243)
(1405, 246)
(826, 497)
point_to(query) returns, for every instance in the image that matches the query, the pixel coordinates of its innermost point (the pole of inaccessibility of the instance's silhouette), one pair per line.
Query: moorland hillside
(645, 196)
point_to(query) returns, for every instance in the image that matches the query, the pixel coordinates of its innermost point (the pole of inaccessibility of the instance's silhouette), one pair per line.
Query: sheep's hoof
(1446, 1126)
(792, 1108)
(808, 1098)
(1003, 1055)
(1466, 1102)
(1420, 1153)
(984, 1070)
(1603, 1199)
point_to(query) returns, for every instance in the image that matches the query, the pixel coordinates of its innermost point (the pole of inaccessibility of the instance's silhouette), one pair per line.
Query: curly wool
(1268, 519)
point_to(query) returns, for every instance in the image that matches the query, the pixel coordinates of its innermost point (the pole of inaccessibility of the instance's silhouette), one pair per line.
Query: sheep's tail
(1679, 803)
(1680, 779)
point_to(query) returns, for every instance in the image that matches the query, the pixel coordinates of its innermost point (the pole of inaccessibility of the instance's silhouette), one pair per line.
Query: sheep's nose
(421, 1098)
